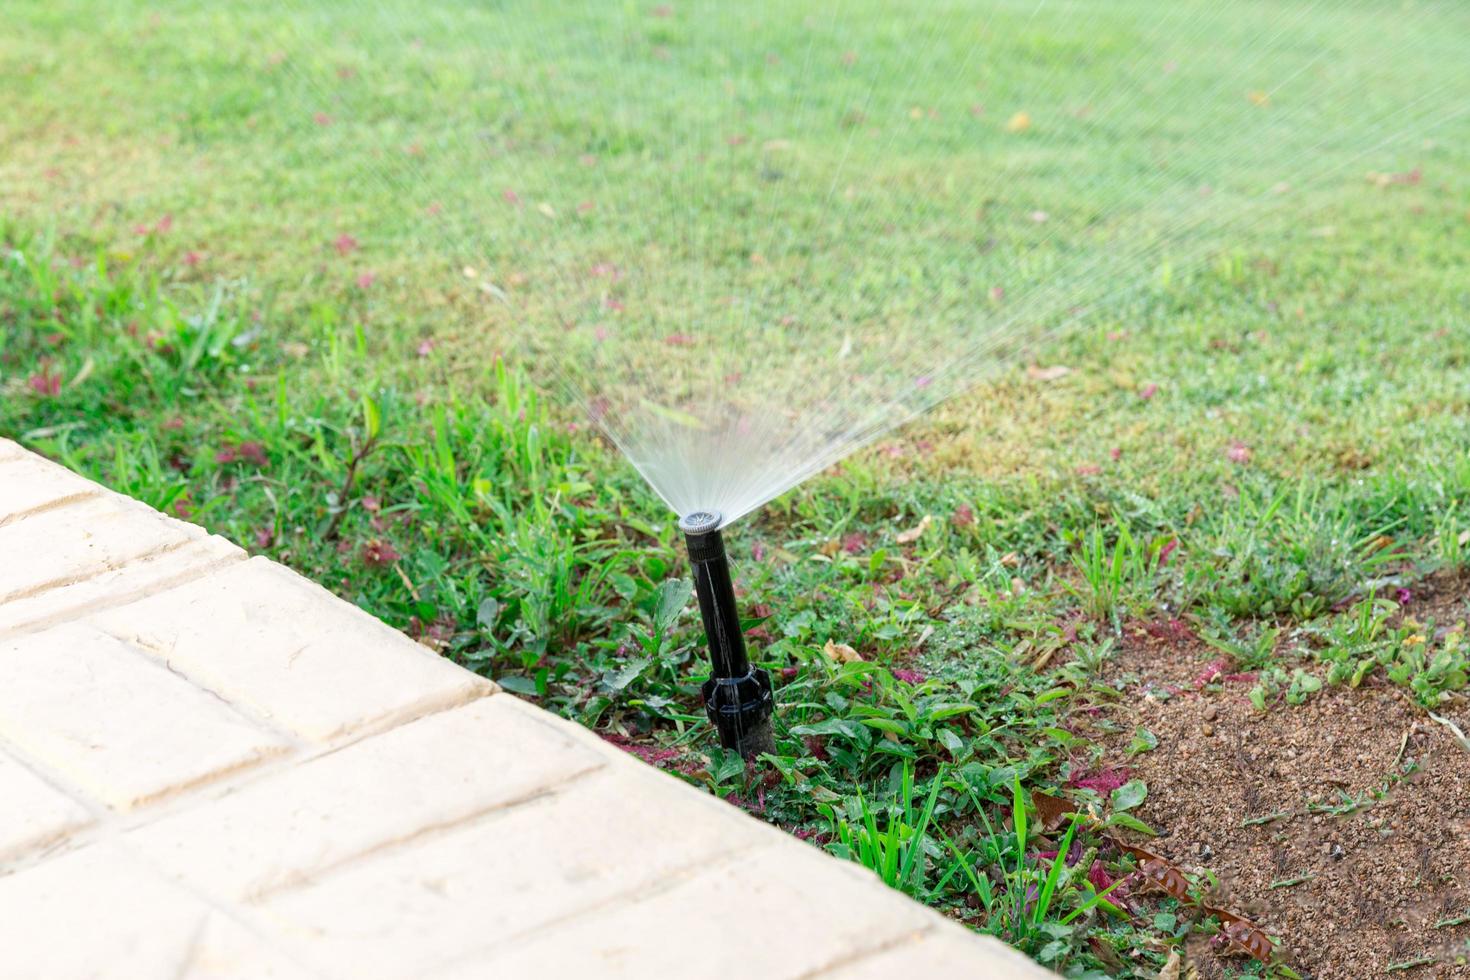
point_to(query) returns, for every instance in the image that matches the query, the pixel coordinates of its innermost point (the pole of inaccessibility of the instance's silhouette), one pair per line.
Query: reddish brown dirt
(1378, 879)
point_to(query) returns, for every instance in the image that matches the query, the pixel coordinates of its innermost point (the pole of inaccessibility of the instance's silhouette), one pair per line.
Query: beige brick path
(211, 767)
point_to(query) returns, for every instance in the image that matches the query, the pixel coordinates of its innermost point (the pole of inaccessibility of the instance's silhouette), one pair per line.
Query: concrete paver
(66, 545)
(29, 483)
(937, 954)
(101, 912)
(34, 812)
(212, 768)
(115, 724)
(799, 912)
(424, 906)
(116, 585)
(432, 773)
(240, 633)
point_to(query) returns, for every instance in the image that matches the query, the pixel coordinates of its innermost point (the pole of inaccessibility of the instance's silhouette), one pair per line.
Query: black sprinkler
(737, 697)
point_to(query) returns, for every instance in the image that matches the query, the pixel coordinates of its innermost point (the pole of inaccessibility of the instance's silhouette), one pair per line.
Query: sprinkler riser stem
(737, 697)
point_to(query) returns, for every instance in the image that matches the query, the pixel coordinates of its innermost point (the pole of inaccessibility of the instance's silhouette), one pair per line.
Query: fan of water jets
(750, 238)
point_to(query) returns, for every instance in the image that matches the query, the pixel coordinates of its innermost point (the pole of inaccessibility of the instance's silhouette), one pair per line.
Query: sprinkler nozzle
(737, 697)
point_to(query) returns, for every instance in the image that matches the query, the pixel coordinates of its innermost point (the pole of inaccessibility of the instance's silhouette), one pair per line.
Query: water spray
(737, 697)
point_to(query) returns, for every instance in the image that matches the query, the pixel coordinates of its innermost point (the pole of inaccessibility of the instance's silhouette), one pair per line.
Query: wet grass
(465, 514)
(1269, 452)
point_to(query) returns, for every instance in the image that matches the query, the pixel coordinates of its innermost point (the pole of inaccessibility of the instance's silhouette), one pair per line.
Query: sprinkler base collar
(740, 710)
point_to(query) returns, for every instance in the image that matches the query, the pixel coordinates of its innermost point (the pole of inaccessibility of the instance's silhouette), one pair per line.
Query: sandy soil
(1245, 794)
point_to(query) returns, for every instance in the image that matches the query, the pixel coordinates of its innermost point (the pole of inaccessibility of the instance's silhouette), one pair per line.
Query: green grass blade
(1049, 887)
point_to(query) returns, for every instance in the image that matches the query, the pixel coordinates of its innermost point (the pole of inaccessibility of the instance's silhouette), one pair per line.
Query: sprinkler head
(737, 697)
(702, 527)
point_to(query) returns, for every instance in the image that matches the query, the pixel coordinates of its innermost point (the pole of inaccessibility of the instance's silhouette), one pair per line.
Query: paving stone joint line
(50, 505)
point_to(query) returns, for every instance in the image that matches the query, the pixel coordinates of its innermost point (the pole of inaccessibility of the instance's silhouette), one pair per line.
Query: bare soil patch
(1341, 826)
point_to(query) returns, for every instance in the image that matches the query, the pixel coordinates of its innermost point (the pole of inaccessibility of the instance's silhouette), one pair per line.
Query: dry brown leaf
(1166, 877)
(1054, 373)
(1249, 939)
(1387, 180)
(914, 533)
(1051, 810)
(1163, 874)
(1453, 729)
(1104, 951)
(841, 653)
(1048, 651)
(1170, 969)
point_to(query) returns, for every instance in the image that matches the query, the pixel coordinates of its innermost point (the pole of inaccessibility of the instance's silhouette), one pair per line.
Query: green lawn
(302, 273)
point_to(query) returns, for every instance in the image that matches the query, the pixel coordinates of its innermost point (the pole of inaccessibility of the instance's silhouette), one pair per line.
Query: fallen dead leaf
(1038, 373)
(1104, 951)
(1386, 180)
(1158, 872)
(1453, 729)
(1051, 810)
(914, 533)
(841, 653)
(1184, 970)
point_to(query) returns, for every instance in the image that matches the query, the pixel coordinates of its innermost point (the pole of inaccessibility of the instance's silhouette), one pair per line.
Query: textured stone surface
(32, 811)
(113, 723)
(67, 546)
(259, 635)
(211, 768)
(298, 822)
(100, 912)
(56, 548)
(117, 585)
(460, 894)
(785, 910)
(29, 483)
(941, 953)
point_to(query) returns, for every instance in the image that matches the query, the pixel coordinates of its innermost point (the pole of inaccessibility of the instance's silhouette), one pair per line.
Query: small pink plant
(45, 384)
(378, 553)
